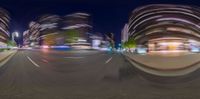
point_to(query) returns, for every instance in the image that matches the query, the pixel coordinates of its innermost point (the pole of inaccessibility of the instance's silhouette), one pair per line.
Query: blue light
(60, 47)
(195, 50)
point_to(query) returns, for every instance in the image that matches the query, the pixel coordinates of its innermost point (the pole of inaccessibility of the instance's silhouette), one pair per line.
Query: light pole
(14, 34)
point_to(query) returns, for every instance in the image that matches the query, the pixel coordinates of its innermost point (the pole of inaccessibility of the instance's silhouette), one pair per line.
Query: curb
(7, 58)
(161, 72)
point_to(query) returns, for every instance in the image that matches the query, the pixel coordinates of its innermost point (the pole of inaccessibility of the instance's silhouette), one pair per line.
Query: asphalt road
(44, 74)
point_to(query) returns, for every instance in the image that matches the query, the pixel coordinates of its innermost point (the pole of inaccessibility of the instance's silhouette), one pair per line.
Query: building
(54, 30)
(79, 23)
(26, 40)
(165, 27)
(30, 36)
(49, 29)
(96, 40)
(124, 33)
(4, 27)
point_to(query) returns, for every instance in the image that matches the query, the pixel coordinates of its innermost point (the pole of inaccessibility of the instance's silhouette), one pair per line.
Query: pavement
(44, 74)
(5, 56)
(166, 64)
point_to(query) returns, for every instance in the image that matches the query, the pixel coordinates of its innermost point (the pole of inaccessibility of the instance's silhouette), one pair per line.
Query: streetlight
(15, 34)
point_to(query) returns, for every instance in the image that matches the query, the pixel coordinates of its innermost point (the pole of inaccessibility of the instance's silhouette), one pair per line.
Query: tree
(131, 43)
(71, 36)
(11, 43)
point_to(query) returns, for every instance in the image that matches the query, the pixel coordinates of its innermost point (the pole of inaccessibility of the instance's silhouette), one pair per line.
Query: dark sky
(107, 15)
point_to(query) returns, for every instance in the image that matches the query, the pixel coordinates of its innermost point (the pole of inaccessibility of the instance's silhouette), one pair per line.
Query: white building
(124, 33)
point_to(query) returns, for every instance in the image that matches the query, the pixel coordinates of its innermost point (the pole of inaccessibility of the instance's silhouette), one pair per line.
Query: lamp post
(14, 34)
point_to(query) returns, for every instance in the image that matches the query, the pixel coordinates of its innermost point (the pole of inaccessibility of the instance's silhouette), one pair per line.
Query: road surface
(44, 74)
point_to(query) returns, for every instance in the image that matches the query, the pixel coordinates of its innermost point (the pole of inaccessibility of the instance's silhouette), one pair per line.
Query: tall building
(124, 33)
(4, 27)
(80, 23)
(30, 36)
(49, 29)
(165, 27)
(26, 40)
(96, 40)
(53, 30)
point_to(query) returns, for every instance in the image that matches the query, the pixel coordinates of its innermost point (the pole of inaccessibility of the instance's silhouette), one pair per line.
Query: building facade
(81, 25)
(165, 27)
(124, 33)
(55, 30)
(30, 36)
(49, 29)
(4, 27)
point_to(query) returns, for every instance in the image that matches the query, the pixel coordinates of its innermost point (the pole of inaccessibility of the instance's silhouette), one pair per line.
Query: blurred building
(49, 29)
(26, 40)
(164, 27)
(31, 35)
(124, 33)
(81, 24)
(55, 30)
(99, 42)
(4, 27)
(96, 40)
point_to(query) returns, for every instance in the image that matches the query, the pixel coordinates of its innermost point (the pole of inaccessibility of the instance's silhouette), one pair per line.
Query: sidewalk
(165, 65)
(5, 56)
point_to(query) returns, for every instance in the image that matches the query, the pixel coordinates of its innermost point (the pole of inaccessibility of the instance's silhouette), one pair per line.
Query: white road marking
(32, 61)
(108, 60)
(74, 57)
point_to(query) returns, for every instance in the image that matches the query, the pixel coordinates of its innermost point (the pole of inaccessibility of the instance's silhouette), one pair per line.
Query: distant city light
(60, 47)
(170, 43)
(141, 50)
(45, 46)
(82, 40)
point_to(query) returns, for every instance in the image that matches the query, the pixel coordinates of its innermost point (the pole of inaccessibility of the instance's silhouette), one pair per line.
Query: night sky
(107, 15)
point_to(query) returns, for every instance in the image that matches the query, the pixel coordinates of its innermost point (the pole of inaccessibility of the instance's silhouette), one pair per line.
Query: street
(43, 74)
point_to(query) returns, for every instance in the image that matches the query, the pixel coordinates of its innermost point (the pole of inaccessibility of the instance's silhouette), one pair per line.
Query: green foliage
(11, 43)
(129, 44)
(1, 50)
(71, 36)
(124, 45)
